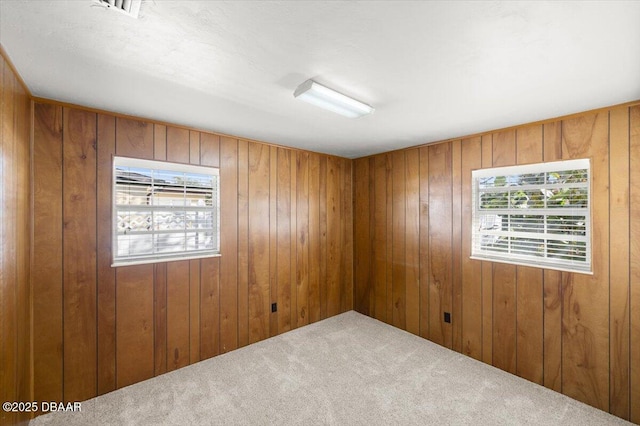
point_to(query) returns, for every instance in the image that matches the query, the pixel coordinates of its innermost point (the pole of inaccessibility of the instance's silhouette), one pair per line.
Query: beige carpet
(346, 370)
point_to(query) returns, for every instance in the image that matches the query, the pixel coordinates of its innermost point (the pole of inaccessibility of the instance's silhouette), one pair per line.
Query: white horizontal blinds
(164, 211)
(534, 215)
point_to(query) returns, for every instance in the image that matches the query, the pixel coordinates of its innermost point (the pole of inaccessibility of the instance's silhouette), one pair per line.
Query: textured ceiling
(433, 70)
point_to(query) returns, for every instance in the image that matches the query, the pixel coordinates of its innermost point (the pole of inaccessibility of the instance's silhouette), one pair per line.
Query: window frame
(583, 267)
(163, 166)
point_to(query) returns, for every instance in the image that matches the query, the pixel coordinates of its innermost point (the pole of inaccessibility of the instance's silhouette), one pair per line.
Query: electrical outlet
(274, 307)
(447, 317)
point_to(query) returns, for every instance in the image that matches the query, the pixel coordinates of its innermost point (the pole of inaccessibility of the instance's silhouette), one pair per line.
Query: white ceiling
(433, 70)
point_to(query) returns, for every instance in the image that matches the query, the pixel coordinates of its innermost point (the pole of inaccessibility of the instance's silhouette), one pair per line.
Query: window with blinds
(164, 211)
(535, 215)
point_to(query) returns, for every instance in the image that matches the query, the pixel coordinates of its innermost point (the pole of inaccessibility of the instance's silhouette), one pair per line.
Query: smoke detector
(128, 7)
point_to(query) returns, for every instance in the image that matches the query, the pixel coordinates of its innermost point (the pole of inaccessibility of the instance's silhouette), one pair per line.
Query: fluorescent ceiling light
(326, 98)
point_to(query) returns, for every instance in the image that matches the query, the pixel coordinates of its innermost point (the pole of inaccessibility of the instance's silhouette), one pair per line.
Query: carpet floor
(346, 370)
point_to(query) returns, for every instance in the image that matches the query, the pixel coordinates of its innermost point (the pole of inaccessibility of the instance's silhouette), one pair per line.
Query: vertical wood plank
(160, 318)
(504, 276)
(619, 261)
(379, 272)
(323, 236)
(634, 257)
(209, 307)
(178, 145)
(398, 200)
(552, 358)
(456, 245)
(134, 325)
(79, 254)
(362, 237)
(273, 238)
(194, 310)
(134, 138)
(585, 342)
(346, 218)
(293, 238)
(412, 239)
(209, 150)
(259, 294)
(159, 142)
(425, 262)
(471, 269)
(333, 237)
(106, 141)
(284, 240)
(243, 243)
(440, 247)
(389, 228)
(314, 237)
(194, 147)
(487, 273)
(302, 240)
(178, 341)
(228, 244)
(529, 284)
(46, 273)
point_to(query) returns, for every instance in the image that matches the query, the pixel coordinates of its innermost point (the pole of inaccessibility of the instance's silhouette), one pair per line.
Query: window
(164, 211)
(536, 215)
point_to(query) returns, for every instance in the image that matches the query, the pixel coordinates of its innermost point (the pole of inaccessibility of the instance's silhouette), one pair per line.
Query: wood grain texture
(412, 241)
(440, 244)
(456, 245)
(346, 236)
(209, 307)
(333, 237)
(15, 227)
(302, 239)
(243, 243)
(362, 239)
(471, 269)
(259, 295)
(46, 264)
(106, 279)
(178, 343)
(398, 256)
(293, 241)
(529, 281)
(134, 138)
(585, 358)
(284, 240)
(634, 258)
(79, 254)
(134, 327)
(487, 272)
(552, 352)
(314, 237)
(194, 310)
(273, 238)
(178, 145)
(322, 198)
(160, 350)
(619, 260)
(379, 255)
(228, 244)
(425, 261)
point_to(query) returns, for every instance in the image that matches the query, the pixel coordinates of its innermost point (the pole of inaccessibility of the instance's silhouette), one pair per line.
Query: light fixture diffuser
(329, 99)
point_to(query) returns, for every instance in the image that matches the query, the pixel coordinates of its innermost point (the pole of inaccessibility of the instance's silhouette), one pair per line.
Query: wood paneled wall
(15, 325)
(286, 220)
(574, 333)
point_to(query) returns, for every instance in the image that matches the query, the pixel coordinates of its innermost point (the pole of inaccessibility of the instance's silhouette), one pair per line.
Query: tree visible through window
(163, 211)
(535, 215)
